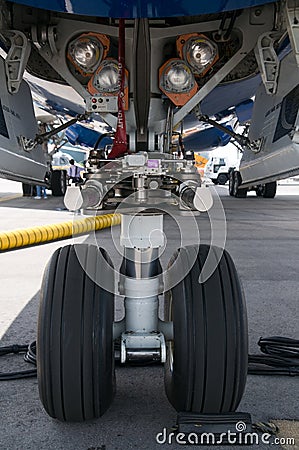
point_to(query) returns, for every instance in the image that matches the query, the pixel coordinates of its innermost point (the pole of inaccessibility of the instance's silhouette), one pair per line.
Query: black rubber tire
(222, 178)
(75, 357)
(207, 368)
(231, 183)
(58, 183)
(269, 190)
(238, 191)
(29, 190)
(259, 190)
(215, 181)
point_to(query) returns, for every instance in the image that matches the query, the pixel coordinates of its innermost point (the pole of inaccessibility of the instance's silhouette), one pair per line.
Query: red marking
(120, 144)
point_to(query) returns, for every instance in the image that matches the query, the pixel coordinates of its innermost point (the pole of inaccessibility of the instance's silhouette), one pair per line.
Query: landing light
(198, 51)
(177, 81)
(176, 76)
(86, 54)
(105, 79)
(87, 51)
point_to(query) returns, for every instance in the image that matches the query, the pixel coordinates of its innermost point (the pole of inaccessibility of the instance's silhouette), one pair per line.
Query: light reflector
(87, 51)
(199, 52)
(177, 81)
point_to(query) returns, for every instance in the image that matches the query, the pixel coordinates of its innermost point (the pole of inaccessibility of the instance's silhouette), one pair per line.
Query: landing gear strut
(203, 341)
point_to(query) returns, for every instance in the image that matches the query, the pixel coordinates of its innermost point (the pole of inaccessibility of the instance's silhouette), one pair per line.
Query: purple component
(153, 163)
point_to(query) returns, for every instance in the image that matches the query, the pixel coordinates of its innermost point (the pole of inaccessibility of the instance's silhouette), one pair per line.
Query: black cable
(30, 357)
(231, 25)
(100, 138)
(280, 356)
(13, 349)
(18, 375)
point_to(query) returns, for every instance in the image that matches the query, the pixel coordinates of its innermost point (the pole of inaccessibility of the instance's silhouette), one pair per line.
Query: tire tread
(210, 345)
(74, 329)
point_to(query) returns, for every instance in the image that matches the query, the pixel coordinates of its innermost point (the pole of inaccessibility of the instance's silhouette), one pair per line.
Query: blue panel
(244, 111)
(231, 94)
(79, 135)
(142, 8)
(53, 103)
(206, 139)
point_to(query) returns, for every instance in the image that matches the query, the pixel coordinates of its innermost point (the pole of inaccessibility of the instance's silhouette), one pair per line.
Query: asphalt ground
(263, 239)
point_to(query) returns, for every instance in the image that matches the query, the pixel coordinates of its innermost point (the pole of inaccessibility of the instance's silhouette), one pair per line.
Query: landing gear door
(18, 122)
(275, 126)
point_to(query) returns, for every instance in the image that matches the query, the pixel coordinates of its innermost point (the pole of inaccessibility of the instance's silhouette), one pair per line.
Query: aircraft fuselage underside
(164, 82)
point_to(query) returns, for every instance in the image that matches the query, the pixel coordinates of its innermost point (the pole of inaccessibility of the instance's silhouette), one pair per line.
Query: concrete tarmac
(263, 239)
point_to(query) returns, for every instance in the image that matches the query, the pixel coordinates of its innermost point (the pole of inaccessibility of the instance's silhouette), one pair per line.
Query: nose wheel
(206, 365)
(75, 359)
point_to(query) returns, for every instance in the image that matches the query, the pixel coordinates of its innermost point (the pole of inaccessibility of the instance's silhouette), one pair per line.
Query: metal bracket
(142, 347)
(142, 231)
(268, 61)
(44, 35)
(292, 19)
(257, 145)
(30, 144)
(17, 58)
(27, 144)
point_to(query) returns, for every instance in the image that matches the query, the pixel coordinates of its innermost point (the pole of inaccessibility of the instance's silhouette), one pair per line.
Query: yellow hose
(47, 233)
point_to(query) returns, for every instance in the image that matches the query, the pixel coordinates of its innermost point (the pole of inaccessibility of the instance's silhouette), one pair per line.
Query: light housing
(105, 81)
(198, 51)
(87, 51)
(177, 81)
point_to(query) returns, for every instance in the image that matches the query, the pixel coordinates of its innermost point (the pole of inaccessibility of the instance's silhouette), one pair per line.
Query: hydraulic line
(46, 233)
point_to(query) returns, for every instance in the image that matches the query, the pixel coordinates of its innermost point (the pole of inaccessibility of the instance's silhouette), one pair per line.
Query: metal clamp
(27, 144)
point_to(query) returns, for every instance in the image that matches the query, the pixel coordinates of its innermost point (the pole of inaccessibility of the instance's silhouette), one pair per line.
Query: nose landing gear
(204, 340)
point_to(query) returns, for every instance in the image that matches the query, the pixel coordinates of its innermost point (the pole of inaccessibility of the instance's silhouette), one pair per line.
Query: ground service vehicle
(217, 169)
